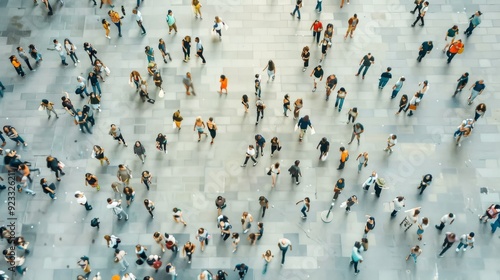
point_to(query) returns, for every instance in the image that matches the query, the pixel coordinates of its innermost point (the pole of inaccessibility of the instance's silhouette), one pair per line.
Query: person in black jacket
(56, 166)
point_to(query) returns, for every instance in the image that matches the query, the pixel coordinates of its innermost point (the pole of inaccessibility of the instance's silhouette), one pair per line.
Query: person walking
(82, 200)
(349, 203)
(242, 270)
(48, 107)
(55, 165)
(140, 252)
(426, 181)
(260, 142)
(163, 50)
(2, 88)
(295, 171)
(116, 133)
(120, 258)
(22, 54)
(455, 47)
(82, 121)
(384, 78)
(474, 21)
(13, 260)
(35, 54)
(476, 89)
(451, 33)
(98, 153)
(275, 145)
(424, 49)
(91, 179)
(421, 14)
(324, 146)
(411, 218)
(370, 181)
(177, 118)
(150, 206)
(112, 241)
(331, 84)
(418, 6)
(446, 219)
(171, 22)
(17, 65)
(115, 205)
(338, 188)
(199, 50)
(62, 54)
(171, 243)
(246, 221)
(365, 63)
(146, 178)
(116, 19)
(177, 215)
(94, 82)
(305, 55)
(356, 257)
(341, 95)
(422, 225)
(403, 104)
(264, 204)
(357, 130)
(415, 251)
(260, 107)
(466, 240)
(352, 23)
(135, 77)
(271, 70)
(449, 240)
(71, 51)
(297, 105)
(140, 151)
(318, 74)
(220, 203)
(106, 25)
(257, 85)
(199, 125)
(399, 203)
(463, 129)
(462, 82)
(212, 128)
(303, 123)
(161, 143)
(284, 244)
(397, 87)
(186, 48)
(196, 8)
(274, 171)
(188, 250)
(379, 185)
(490, 213)
(91, 52)
(306, 206)
(250, 155)
(352, 115)
(13, 135)
(138, 19)
(370, 225)
(129, 195)
(159, 239)
(362, 161)
(202, 236)
(188, 83)
(344, 156)
(49, 189)
(298, 5)
(150, 54)
(217, 28)
(318, 7)
(225, 229)
(495, 225)
(268, 257)
(316, 28)
(391, 142)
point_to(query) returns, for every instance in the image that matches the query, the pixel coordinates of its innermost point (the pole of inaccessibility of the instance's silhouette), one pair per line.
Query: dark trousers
(88, 207)
(422, 188)
(257, 146)
(73, 57)
(200, 54)
(119, 26)
(142, 27)
(19, 71)
(317, 35)
(441, 226)
(450, 55)
(28, 63)
(446, 245)
(469, 29)
(378, 190)
(225, 236)
(283, 253)
(336, 195)
(260, 113)
(421, 55)
(263, 211)
(355, 265)
(342, 164)
(94, 56)
(361, 68)
(120, 138)
(394, 213)
(417, 7)
(297, 9)
(248, 157)
(296, 178)
(419, 18)
(86, 126)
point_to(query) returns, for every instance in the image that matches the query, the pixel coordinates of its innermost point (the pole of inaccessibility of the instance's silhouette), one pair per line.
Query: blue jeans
(414, 256)
(361, 68)
(339, 102)
(52, 195)
(98, 87)
(460, 245)
(2, 88)
(119, 26)
(382, 82)
(457, 133)
(283, 253)
(18, 139)
(318, 6)
(73, 57)
(395, 93)
(495, 225)
(297, 9)
(303, 210)
(473, 95)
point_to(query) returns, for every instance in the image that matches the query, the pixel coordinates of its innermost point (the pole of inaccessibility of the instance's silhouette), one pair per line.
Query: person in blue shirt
(242, 270)
(475, 20)
(303, 123)
(384, 78)
(356, 257)
(260, 142)
(397, 87)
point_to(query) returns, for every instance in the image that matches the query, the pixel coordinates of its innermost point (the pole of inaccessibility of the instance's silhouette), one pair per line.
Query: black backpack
(221, 275)
(94, 222)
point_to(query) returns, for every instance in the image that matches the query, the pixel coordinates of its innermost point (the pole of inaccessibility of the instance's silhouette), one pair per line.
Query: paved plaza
(194, 173)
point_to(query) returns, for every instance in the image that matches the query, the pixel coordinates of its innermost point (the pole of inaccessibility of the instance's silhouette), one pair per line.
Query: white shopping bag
(174, 125)
(324, 156)
(296, 127)
(313, 131)
(161, 94)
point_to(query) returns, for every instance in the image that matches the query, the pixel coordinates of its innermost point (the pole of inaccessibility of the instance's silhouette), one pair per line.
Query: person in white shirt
(250, 155)
(411, 217)
(283, 244)
(446, 219)
(59, 48)
(465, 241)
(82, 200)
(370, 181)
(421, 15)
(391, 142)
(171, 243)
(399, 203)
(117, 209)
(138, 19)
(199, 50)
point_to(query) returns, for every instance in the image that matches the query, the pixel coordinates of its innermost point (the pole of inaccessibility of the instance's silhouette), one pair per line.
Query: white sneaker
(457, 250)
(465, 249)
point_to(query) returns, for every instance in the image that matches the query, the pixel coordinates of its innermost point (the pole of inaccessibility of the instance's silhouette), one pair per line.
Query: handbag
(269, 172)
(130, 83)
(161, 94)
(174, 125)
(61, 165)
(152, 101)
(296, 127)
(461, 50)
(106, 69)
(313, 131)
(412, 107)
(41, 108)
(324, 156)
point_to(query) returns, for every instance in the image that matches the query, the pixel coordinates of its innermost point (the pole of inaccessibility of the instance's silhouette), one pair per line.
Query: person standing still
(48, 107)
(298, 5)
(446, 219)
(284, 244)
(324, 146)
(455, 48)
(316, 28)
(318, 74)
(391, 142)
(352, 23)
(421, 14)
(138, 19)
(199, 50)
(305, 57)
(357, 129)
(365, 63)
(474, 21)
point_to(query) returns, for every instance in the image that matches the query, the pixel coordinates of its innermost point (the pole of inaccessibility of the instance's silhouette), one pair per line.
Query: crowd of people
(91, 88)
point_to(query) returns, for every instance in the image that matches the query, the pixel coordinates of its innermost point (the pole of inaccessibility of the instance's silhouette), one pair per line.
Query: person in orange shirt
(105, 25)
(344, 156)
(17, 65)
(455, 47)
(223, 84)
(353, 22)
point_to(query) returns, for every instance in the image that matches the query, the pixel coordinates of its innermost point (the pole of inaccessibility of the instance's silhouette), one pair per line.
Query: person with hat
(474, 21)
(465, 241)
(379, 185)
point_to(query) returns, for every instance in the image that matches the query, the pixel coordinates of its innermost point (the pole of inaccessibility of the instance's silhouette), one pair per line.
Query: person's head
(49, 158)
(88, 175)
(107, 237)
(481, 81)
(217, 19)
(138, 143)
(262, 198)
(260, 224)
(478, 13)
(67, 41)
(389, 69)
(416, 212)
(235, 235)
(270, 63)
(188, 74)
(222, 77)
(394, 137)
(340, 181)
(252, 236)
(305, 49)
(242, 266)
(287, 96)
(188, 243)
(402, 79)
(197, 39)
(451, 215)
(306, 199)
(138, 247)
(401, 198)
(342, 149)
(201, 230)
(369, 54)
(354, 198)
(187, 38)
(318, 67)
(452, 235)
(43, 181)
(78, 194)
(268, 253)
(156, 234)
(245, 214)
(425, 221)
(341, 89)
(147, 48)
(175, 209)
(134, 11)
(250, 147)
(426, 3)
(170, 12)
(417, 248)
(404, 97)
(471, 235)
(211, 119)
(109, 200)
(277, 165)
(297, 162)
(55, 41)
(161, 41)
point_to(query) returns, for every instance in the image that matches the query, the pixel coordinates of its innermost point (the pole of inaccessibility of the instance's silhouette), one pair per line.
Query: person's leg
(298, 13)
(366, 69)
(394, 213)
(352, 137)
(360, 68)
(422, 189)
(28, 63)
(341, 103)
(356, 267)
(283, 253)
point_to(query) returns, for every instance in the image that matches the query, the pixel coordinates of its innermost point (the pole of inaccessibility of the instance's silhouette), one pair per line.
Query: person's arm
(317, 147)
(452, 221)
(290, 246)
(299, 202)
(359, 156)
(321, 78)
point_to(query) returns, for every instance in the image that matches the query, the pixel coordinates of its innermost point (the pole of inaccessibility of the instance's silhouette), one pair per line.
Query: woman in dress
(286, 105)
(199, 125)
(71, 51)
(271, 70)
(297, 106)
(422, 226)
(275, 171)
(186, 48)
(91, 179)
(202, 236)
(99, 154)
(212, 128)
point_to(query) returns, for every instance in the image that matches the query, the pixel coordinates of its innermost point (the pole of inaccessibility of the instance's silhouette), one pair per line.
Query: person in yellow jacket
(116, 19)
